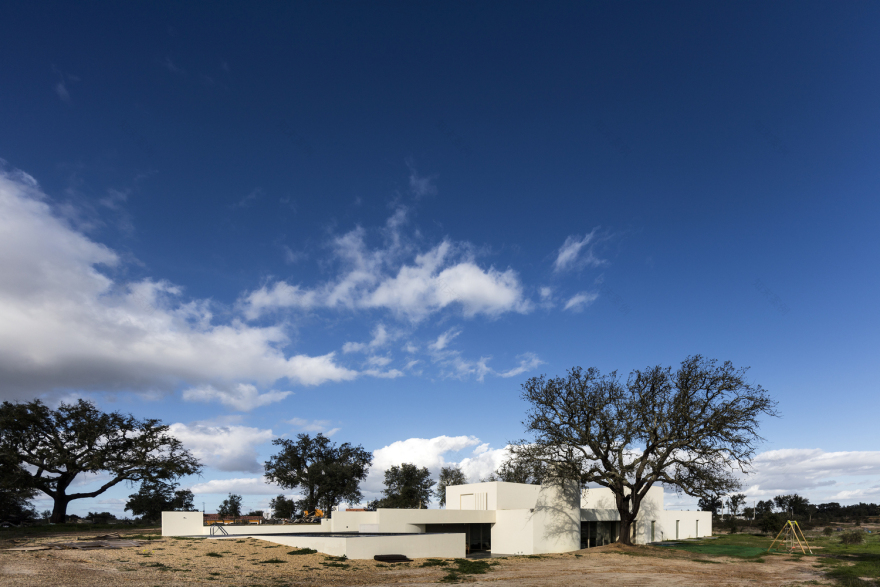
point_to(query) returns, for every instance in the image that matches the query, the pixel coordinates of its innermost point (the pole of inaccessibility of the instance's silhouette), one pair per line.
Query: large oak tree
(688, 429)
(406, 486)
(328, 474)
(56, 446)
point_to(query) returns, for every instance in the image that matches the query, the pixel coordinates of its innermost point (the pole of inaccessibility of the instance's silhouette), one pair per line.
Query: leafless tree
(688, 429)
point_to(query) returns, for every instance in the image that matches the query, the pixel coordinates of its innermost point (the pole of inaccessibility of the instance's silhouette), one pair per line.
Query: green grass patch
(467, 567)
(705, 562)
(214, 554)
(302, 551)
(435, 562)
(272, 561)
(335, 564)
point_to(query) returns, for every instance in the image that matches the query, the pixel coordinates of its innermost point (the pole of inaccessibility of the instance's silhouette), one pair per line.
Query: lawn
(849, 565)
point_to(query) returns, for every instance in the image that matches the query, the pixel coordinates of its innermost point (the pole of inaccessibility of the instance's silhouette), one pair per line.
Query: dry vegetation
(169, 561)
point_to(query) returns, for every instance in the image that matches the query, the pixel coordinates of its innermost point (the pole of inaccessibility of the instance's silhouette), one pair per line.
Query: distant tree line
(770, 515)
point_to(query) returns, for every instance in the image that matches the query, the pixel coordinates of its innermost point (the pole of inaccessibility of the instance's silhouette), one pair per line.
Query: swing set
(789, 534)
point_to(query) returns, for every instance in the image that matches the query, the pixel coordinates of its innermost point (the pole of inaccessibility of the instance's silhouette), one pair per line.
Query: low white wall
(193, 524)
(366, 547)
(688, 526)
(183, 524)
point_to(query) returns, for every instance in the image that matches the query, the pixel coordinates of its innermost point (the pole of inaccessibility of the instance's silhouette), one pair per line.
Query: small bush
(272, 561)
(828, 531)
(852, 537)
(303, 551)
(214, 554)
(771, 523)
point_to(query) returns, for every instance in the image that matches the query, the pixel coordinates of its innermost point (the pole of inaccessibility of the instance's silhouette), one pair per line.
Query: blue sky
(379, 220)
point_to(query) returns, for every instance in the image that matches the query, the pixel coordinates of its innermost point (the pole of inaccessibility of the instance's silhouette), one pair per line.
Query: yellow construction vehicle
(315, 514)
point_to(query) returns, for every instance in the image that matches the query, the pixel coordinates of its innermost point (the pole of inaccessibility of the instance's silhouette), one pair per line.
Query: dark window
(599, 533)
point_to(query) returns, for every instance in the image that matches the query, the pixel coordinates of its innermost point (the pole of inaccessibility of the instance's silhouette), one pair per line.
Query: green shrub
(828, 531)
(771, 523)
(303, 551)
(852, 537)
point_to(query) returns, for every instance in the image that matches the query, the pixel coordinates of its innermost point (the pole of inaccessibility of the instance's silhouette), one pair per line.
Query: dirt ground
(250, 562)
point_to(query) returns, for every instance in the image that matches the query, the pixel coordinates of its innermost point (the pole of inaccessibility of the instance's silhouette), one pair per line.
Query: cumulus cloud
(578, 252)
(391, 278)
(422, 452)
(222, 446)
(67, 325)
(580, 301)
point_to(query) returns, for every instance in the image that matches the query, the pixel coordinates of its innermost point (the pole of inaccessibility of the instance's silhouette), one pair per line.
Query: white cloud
(390, 374)
(68, 325)
(381, 337)
(241, 486)
(484, 462)
(422, 452)
(804, 470)
(570, 254)
(240, 396)
(378, 360)
(314, 426)
(460, 368)
(527, 362)
(390, 278)
(221, 446)
(580, 301)
(444, 339)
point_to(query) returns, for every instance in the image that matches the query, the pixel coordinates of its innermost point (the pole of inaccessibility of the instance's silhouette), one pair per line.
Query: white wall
(494, 495)
(687, 524)
(183, 524)
(366, 547)
(513, 532)
(556, 520)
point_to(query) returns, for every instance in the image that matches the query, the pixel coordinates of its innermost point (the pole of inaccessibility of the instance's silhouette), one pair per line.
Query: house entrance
(599, 533)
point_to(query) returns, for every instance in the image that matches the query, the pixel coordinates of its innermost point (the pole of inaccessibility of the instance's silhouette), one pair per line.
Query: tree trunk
(626, 526)
(59, 510)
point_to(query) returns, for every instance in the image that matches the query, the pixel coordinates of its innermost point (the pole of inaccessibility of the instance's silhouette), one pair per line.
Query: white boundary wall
(193, 524)
(366, 547)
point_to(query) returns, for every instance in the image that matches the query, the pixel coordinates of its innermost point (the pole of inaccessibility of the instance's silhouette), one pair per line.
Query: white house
(496, 517)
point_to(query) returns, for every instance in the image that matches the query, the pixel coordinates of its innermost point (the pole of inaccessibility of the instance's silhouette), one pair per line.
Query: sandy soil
(248, 562)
